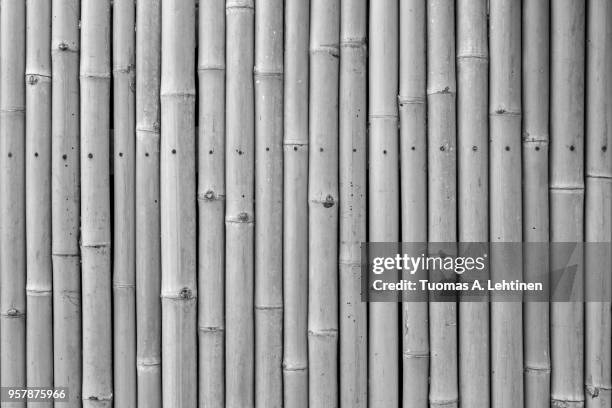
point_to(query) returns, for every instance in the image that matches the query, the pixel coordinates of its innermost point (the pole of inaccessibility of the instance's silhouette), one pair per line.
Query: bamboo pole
(39, 285)
(268, 77)
(505, 199)
(536, 37)
(65, 199)
(567, 190)
(473, 191)
(295, 204)
(598, 206)
(12, 196)
(148, 244)
(413, 153)
(442, 189)
(323, 204)
(124, 262)
(211, 205)
(239, 217)
(352, 119)
(95, 204)
(177, 188)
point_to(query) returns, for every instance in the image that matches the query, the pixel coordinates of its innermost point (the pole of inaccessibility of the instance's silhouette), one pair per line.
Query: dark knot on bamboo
(185, 293)
(329, 201)
(209, 195)
(62, 46)
(243, 217)
(32, 79)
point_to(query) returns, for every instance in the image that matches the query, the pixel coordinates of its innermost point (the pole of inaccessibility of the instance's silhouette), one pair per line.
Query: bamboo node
(289, 367)
(14, 313)
(212, 329)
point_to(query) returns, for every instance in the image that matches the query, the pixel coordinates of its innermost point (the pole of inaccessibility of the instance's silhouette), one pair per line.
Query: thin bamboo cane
(95, 204)
(12, 196)
(239, 217)
(505, 199)
(211, 205)
(598, 206)
(65, 199)
(442, 188)
(178, 212)
(39, 285)
(567, 190)
(473, 191)
(148, 262)
(413, 153)
(268, 76)
(536, 37)
(295, 204)
(124, 262)
(353, 195)
(323, 204)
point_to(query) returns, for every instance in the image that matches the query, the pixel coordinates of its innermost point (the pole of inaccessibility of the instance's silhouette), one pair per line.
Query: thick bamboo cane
(178, 212)
(505, 199)
(413, 153)
(383, 193)
(211, 202)
(39, 285)
(148, 261)
(12, 196)
(295, 204)
(598, 206)
(65, 199)
(323, 204)
(567, 190)
(95, 204)
(268, 76)
(353, 195)
(239, 216)
(442, 188)
(473, 191)
(536, 37)
(124, 248)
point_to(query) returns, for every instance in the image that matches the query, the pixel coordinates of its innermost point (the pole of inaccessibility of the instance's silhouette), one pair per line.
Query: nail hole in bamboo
(384, 152)
(475, 148)
(90, 156)
(507, 148)
(354, 150)
(36, 154)
(146, 154)
(295, 149)
(604, 148)
(120, 154)
(10, 154)
(267, 149)
(64, 156)
(210, 152)
(173, 151)
(537, 148)
(572, 148)
(442, 148)
(413, 148)
(63, 46)
(321, 149)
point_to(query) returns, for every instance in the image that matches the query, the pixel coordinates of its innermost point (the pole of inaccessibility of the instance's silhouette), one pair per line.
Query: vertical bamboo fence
(185, 186)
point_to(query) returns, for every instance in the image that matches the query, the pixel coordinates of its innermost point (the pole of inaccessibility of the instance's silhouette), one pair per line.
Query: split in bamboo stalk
(505, 199)
(353, 198)
(178, 212)
(323, 204)
(12, 196)
(239, 216)
(95, 204)
(124, 262)
(65, 199)
(473, 191)
(567, 190)
(39, 285)
(536, 37)
(413, 154)
(268, 76)
(211, 202)
(295, 204)
(442, 189)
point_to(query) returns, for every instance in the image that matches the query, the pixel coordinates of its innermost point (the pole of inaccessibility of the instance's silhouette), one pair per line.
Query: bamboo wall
(184, 187)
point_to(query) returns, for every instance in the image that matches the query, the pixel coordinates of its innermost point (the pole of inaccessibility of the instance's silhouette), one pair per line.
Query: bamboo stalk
(598, 206)
(536, 26)
(95, 204)
(505, 199)
(177, 187)
(442, 189)
(473, 192)
(567, 190)
(322, 204)
(65, 199)
(211, 206)
(295, 204)
(12, 196)
(239, 217)
(268, 77)
(413, 153)
(39, 285)
(124, 262)
(352, 119)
